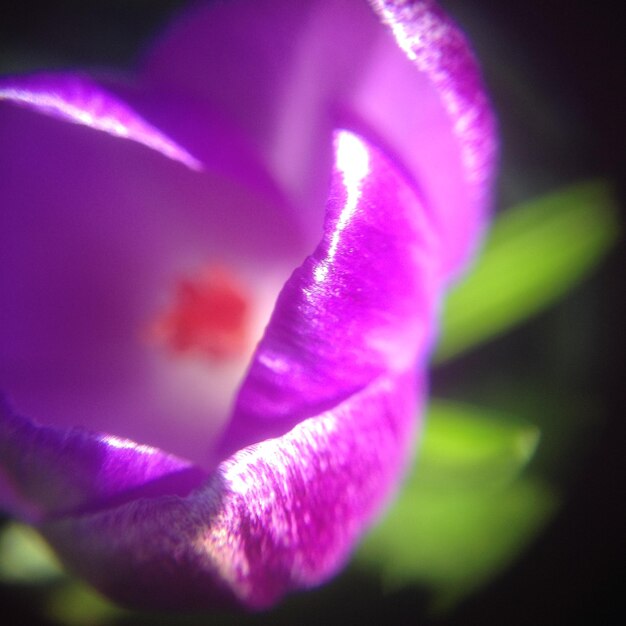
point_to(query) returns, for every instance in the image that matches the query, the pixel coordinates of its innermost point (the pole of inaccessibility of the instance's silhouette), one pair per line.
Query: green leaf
(76, 604)
(465, 511)
(470, 447)
(455, 541)
(534, 254)
(25, 558)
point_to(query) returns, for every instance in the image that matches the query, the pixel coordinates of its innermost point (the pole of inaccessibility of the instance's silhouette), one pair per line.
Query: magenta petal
(95, 232)
(49, 472)
(353, 325)
(361, 306)
(437, 48)
(146, 114)
(324, 420)
(278, 516)
(76, 98)
(288, 73)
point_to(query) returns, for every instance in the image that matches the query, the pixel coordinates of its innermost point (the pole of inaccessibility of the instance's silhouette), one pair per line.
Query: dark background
(564, 123)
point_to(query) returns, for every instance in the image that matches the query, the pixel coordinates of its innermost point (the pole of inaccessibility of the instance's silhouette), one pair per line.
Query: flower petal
(436, 47)
(79, 99)
(278, 516)
(352, 324)
(362, 305)
(324, 422)
(53, 472)
(124, 107)
(95, 233)
(289, 73)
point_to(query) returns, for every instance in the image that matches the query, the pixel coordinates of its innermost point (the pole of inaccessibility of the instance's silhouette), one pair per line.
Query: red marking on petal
(208, 316)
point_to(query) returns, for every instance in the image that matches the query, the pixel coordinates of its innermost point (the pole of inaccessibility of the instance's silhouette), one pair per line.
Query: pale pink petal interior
(94, 237)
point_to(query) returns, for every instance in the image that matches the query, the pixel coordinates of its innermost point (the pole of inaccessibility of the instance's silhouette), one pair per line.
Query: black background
(572, 54)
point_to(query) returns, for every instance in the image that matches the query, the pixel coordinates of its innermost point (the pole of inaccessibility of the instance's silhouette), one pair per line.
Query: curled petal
(360, 306)
(146, 114)
(281, 515)
(95, 234)
(79, 99)
(285, 512)
(316, 65)
(56, 472)
(437, 48)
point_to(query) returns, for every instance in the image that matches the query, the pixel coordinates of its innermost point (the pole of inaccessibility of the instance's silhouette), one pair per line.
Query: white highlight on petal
(127, 444)
(352, 160)
(105, 114)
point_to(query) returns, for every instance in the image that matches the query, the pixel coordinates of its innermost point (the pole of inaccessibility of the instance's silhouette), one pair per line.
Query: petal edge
(361, 306)
(278, 516)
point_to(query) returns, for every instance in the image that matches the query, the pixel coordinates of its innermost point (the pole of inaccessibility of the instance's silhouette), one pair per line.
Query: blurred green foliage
(533, 254)
(465, 510)
(469, 507)
(468, 447)
(25, 557)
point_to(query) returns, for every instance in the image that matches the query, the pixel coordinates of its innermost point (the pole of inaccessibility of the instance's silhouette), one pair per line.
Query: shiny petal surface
(360, 306)
(124, 106)
(288, 73)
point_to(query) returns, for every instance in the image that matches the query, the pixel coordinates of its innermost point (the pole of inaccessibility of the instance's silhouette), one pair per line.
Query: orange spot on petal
(208, 316)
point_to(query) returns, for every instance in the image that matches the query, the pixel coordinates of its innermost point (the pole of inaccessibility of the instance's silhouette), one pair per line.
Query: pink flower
(211, 385)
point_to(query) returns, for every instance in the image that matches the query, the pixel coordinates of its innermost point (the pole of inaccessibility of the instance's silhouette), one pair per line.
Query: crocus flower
(211, 385)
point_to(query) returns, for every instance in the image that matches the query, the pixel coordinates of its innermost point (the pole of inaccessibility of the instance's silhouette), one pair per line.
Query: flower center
(208, 317)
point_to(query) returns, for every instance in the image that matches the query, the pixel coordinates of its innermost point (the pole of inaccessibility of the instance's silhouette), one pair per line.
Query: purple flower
(210, 384)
